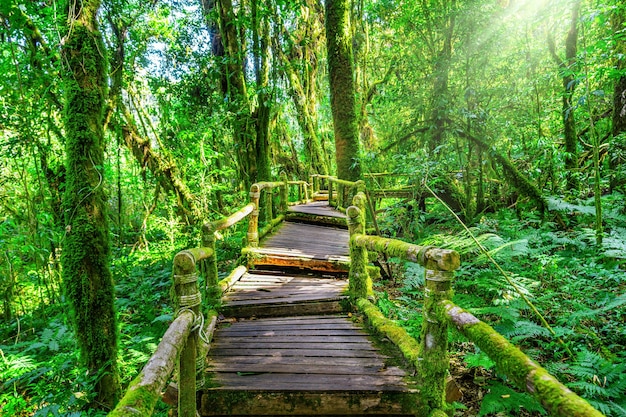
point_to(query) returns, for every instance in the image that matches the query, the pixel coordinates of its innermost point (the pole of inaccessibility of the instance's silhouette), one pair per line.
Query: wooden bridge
(286, 344)
(293, 332)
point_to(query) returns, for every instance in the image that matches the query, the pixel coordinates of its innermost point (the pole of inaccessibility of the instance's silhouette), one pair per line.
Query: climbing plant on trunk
(342, 100)
(85, 257)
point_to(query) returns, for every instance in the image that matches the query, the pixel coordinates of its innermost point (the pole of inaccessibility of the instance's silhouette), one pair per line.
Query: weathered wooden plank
(281, 332)
(288, 327)
(362, 345)
(294, 382)
(272, 403)
(296, 320)
(319, 208)
(313, 353)
(276, 299)
(275, 310)
(308, 369)
(302, 340)
(373, 361)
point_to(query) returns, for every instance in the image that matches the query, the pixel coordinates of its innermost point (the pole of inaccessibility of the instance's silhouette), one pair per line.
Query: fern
(504, 399)
(601, 381)
(522, 330)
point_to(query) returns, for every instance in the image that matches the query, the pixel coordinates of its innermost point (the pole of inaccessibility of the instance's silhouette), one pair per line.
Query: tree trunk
(568, 77)
(342, 100)
(619, 100)
(441, 73)
(85, 258)
(512, 174)
(261, 44)
(237, 95)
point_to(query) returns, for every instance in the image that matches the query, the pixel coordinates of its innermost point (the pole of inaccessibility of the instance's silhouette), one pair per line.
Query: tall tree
(85, 258)
(619, 95)
(298, 55)
(237, 94)
(341, 80)
(567, 70)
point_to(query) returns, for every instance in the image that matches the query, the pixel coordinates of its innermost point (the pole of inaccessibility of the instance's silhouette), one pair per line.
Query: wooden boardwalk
(286, 346)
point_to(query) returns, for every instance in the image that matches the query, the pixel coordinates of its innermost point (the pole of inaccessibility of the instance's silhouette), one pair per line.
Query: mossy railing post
(434, 360)
(315, 183)
(188, 299)
(360, 285)
(284, 193)
(253, 224)
(211, 292)
(330, 193)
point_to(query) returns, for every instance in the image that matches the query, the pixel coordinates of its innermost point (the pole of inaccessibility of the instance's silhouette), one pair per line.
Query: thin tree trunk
(86, 275)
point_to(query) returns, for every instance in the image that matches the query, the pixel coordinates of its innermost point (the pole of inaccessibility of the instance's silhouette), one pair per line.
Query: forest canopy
(126, 124)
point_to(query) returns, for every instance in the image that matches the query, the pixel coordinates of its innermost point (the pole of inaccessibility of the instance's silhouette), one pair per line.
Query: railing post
(188, 299)
(434, 360)
(210, 265)
(360, 285)
(330, 192)
(284, 193)
(253, 224)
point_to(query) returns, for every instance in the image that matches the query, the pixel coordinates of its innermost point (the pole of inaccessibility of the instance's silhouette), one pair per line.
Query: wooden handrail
(439, 312)
(556, 398)
(179, 344)
(145, 390)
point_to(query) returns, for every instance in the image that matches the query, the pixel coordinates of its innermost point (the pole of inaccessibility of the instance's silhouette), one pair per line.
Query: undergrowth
(578, 288)
(39, 369)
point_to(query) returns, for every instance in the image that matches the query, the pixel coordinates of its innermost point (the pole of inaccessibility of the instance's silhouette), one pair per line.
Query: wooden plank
(244, 327)
(291, 382)
(281, 332)
(345, 403)
(303, 360)
(275, 310)
(308, 369)
(295, 347)
(302, 340)
(365, 352)
(319, 208)
(293, 299)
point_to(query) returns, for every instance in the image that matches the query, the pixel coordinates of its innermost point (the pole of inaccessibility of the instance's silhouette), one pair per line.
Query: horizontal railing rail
(430, 356)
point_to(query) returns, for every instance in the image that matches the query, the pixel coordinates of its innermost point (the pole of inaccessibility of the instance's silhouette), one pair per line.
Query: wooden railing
(430, 356)
(186, 341)
(181, 340)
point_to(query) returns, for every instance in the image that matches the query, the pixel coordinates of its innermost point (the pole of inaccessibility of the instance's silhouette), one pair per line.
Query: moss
(434, 360)
(407, 345)
(437, 413)
(139, 400)
(360, 284)
(523, 371)
(86, 254)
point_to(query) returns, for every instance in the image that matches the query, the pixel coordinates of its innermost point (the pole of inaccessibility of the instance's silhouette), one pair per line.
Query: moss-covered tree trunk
(342, 100)
(261, 45)
(567, 71)
(619, 97)
(237, 95)
(300, 64)
(85, 257)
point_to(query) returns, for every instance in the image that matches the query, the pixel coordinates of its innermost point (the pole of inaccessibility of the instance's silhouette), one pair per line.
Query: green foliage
(504, 401)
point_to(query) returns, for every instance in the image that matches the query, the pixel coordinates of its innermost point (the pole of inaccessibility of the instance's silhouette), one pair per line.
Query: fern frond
(526, 329)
